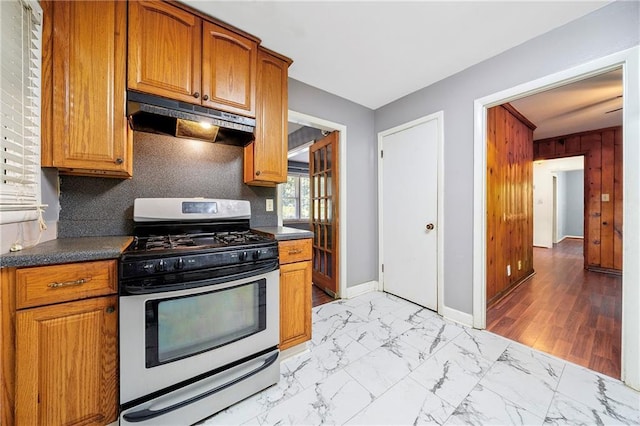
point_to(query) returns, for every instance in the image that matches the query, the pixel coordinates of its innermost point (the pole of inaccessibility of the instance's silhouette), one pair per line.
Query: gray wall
(162, 167)
(612, 28)
(361, 223)
(574, 209)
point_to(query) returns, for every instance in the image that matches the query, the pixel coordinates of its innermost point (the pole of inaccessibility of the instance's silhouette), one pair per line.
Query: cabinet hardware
(69, 283)
(205, 98)
(295, 251)
(119, 160)
(110, 309)
(430, 226)
(257, 172)
(196, 95)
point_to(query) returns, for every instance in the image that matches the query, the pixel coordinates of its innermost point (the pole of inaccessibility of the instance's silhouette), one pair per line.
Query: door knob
(430, 226)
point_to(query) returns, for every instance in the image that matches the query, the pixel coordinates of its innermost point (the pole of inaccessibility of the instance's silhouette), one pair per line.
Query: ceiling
(374, 52)
(593, 103)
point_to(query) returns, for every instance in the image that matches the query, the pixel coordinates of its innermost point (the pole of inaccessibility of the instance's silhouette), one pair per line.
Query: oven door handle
(147, 414)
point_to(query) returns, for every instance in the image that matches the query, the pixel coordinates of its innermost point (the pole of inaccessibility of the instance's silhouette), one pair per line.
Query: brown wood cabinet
(85, 130)
(265, 159)
(177, 54)
(60, 355)
(295, 292)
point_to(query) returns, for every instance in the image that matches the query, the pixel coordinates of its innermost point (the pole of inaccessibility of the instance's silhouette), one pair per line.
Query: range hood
(154, 114)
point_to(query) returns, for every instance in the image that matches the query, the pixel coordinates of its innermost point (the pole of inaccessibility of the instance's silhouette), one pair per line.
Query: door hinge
(383, 267)
(381, 154)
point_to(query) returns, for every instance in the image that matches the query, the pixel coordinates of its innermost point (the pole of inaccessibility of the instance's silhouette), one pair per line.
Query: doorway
(557, 325)
(315, 129)
(628, 60)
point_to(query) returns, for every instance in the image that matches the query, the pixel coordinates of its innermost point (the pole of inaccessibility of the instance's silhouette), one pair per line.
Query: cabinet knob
(257, 172)
(110, 309)
(429, 226)
(205, 98)
(119, 160)
(196, 95)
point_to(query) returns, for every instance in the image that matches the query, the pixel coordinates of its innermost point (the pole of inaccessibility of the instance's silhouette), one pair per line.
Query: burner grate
(214, 239)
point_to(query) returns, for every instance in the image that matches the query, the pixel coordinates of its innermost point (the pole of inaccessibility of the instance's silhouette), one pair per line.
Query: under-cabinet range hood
(154, 114)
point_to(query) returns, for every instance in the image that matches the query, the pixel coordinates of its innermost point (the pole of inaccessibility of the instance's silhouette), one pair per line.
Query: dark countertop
(282, 233)
(67, 250)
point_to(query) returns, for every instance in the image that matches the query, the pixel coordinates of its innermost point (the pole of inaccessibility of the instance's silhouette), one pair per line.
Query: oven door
(171, 340)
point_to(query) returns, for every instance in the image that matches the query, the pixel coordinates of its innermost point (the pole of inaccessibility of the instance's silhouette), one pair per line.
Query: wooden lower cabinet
(59, 335)
(295, 293)
(66, 363)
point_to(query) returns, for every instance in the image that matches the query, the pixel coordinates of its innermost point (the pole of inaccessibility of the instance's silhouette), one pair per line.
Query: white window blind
(21, 53)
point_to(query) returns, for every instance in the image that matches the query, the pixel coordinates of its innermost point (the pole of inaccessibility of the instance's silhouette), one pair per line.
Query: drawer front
(294, 250)
(45, 285)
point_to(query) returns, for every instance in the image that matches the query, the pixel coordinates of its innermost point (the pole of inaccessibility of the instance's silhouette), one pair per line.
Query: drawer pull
(69, 283)
(295, 251)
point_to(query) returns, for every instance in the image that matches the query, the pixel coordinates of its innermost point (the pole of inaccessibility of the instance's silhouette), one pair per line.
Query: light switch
(269, 206)
(605, 198)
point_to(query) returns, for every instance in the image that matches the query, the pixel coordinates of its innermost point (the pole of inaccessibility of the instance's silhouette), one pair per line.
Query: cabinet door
(66, 370)
(229, 64)
(265, 161)
(90, 127)
(295, 304)
(164, 51)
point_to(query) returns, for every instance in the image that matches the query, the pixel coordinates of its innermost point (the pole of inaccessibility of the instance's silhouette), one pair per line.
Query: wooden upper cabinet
(229, 64)
(176, 54)
(89, 127)
(265, 161)
(164, 51)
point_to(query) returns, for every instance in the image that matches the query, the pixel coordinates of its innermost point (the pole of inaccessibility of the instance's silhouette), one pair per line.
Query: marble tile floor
(380, 360)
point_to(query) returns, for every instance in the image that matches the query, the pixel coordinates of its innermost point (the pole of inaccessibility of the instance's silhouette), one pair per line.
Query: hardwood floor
(565, 310)
(319, 297)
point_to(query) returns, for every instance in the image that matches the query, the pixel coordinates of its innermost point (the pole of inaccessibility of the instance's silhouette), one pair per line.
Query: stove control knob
(148, 267)
(256, 255)
(179, 264)
(242, 256)
(161, 266)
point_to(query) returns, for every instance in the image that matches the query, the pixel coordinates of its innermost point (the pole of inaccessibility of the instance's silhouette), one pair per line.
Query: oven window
(183, 326)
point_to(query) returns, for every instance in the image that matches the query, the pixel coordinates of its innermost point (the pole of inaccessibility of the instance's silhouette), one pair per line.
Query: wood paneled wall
(509, 199)
(602, 150)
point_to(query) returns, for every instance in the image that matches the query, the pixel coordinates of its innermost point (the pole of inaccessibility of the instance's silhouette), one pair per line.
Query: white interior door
(409, 211)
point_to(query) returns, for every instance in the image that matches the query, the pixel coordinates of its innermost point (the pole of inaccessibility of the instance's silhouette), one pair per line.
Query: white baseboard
(457, 316)
(577, 237)
(360, 289)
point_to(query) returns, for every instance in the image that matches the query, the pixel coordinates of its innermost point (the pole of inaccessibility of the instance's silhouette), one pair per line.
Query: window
(296, 198)
(21, 53)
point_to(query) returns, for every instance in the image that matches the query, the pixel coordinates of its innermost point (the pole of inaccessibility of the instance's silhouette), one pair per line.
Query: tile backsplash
(163, 166)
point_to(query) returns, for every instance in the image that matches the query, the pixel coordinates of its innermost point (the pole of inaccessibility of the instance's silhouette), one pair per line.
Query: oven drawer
(45, 285)
(291, 251)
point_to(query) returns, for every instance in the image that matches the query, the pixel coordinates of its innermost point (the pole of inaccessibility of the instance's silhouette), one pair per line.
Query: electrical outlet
(508, 270)
(519, 265)
(269, 206)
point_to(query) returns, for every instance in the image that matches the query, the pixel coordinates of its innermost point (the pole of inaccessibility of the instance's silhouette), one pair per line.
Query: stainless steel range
(199, 311)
